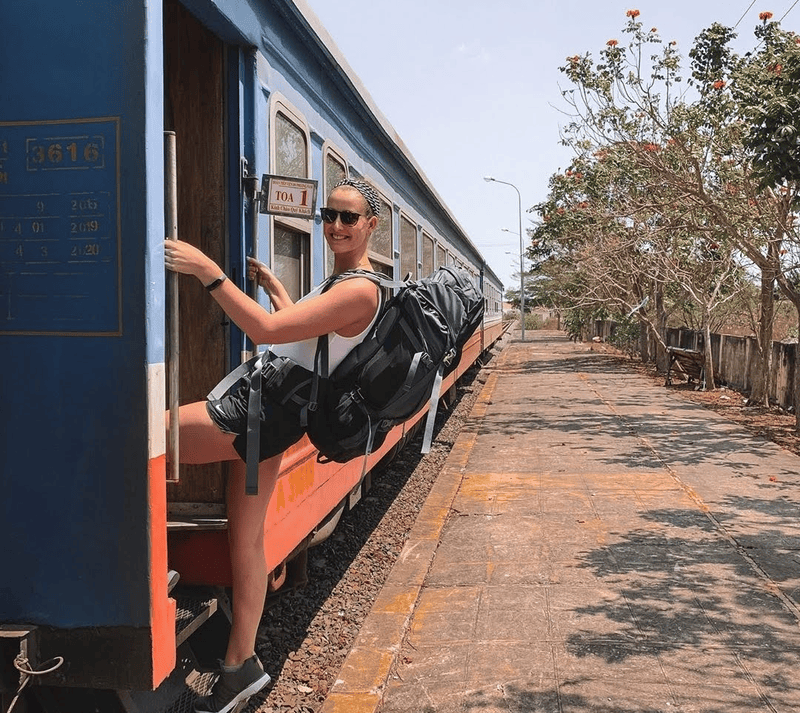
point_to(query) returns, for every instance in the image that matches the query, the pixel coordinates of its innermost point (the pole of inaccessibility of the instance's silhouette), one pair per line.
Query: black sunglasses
(329, 215)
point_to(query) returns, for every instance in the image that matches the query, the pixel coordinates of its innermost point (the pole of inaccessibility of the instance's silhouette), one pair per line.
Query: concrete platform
(592, 544)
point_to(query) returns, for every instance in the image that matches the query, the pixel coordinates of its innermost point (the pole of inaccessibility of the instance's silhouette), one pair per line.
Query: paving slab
(594, 543)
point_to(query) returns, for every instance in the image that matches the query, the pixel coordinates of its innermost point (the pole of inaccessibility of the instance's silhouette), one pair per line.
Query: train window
(292, 260)
(441, 256)
(291, 237)
(427, 254)
(291, 148)
(335, 171)
(408, 248)
(381, 252)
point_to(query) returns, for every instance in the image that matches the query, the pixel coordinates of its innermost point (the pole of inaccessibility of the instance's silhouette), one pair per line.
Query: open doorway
(194, 87)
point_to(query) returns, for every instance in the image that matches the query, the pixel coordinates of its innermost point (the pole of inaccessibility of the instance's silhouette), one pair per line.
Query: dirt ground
(773, 423)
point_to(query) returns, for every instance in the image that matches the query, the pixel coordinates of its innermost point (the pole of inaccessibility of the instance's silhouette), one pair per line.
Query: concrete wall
(735, 361)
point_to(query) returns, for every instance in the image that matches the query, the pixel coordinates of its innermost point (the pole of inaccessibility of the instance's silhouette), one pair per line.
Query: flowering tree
(748, 97)
(629, 254)
(765, 86)
(679, 177)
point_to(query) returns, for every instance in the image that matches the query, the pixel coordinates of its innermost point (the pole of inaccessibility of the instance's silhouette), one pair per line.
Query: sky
(473, 88)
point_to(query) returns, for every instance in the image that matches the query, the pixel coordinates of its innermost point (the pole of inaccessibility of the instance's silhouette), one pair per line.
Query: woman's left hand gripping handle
(188, 260)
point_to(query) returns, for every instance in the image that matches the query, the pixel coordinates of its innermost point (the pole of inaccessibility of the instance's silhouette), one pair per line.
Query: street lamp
(489, 179)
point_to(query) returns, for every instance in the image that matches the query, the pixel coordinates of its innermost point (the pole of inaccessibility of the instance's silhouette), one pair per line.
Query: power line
(761, 41)
(788, 11)
(754, 2)
(745, 14)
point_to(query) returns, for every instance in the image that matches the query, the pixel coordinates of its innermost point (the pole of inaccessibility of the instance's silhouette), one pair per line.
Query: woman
(345, 312)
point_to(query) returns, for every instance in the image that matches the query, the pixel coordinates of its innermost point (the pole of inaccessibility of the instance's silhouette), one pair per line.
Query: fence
(735, 360)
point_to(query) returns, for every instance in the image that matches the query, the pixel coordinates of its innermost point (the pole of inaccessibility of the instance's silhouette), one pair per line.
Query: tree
(685, 183)
(758, 103)
(767, 89)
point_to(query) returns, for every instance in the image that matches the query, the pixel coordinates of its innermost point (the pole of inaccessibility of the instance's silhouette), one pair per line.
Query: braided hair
(369, 194)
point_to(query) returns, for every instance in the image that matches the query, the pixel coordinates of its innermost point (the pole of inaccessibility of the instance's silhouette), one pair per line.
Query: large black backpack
(398, 368)
(415, 342)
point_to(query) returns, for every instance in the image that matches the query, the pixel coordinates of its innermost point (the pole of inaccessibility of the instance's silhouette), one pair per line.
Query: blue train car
(266, 116)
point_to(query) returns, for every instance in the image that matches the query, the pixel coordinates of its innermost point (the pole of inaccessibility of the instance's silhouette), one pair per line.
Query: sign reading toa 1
(284, 195)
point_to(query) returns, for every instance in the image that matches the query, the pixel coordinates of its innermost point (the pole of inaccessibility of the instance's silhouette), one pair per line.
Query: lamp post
(489, 179)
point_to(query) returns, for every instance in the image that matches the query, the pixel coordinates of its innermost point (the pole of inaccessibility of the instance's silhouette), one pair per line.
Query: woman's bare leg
(200, 439)
(246, 515)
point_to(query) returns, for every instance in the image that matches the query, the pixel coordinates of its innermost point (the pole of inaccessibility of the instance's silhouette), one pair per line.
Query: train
(223, 123)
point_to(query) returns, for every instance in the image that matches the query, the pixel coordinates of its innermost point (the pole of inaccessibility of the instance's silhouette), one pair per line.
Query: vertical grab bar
(252, 189)
(251, 179)
(171, 218)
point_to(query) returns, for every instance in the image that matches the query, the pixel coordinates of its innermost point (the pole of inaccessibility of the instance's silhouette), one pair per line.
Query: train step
(175, 695)
(191, 612)
(198, 611)
(179, 523)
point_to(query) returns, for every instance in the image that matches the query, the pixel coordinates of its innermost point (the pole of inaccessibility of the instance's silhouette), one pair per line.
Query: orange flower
(719, 84)
(633, 13)
(612, 43)
(574, 59)
(764, 16)
(653, 29)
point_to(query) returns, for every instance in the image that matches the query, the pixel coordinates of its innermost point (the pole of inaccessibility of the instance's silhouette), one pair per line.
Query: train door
(194, 85)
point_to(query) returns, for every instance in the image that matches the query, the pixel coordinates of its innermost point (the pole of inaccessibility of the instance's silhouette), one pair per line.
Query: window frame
(305, 226)
(429, 268)
(329, 150)
(441, 249)
(374, 256)
(403, 271)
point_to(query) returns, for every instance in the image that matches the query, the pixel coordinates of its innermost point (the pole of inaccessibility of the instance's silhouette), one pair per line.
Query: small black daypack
(398, 368)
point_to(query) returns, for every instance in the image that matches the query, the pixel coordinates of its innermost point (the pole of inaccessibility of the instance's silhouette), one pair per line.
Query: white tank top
(339, 347)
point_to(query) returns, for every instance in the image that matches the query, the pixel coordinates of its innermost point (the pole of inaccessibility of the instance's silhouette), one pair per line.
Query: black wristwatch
(213, 286)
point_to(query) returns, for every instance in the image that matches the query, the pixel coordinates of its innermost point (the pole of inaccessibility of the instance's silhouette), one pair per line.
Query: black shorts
(280, 422)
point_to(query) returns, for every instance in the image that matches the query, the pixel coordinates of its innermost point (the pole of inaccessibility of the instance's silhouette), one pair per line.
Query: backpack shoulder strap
(377, 277)
(321, 361)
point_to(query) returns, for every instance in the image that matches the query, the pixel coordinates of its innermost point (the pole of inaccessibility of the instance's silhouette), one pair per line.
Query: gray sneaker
(234, 687)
